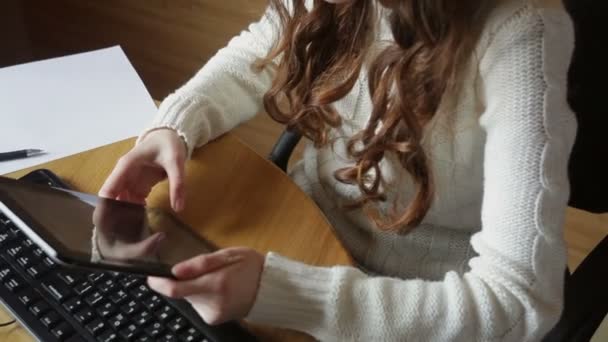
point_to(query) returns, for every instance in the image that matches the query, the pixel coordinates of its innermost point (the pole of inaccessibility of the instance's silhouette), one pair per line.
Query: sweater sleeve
(513, 291)
(225, 92)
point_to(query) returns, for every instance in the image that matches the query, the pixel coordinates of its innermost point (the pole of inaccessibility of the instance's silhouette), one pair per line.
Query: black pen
(4, 156)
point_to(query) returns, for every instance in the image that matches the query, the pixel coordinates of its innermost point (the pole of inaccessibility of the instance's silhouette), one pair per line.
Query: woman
(439, 138)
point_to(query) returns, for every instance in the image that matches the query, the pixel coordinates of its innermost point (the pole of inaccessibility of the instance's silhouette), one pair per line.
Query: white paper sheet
(70, 104)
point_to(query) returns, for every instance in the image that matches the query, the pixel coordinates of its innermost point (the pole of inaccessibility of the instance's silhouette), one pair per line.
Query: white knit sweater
(487, 262)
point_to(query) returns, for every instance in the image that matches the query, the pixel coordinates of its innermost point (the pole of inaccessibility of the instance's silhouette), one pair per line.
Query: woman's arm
(513, 291)
(225, 92)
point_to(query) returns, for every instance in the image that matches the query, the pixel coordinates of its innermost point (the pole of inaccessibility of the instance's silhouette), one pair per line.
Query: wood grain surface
(234, 198)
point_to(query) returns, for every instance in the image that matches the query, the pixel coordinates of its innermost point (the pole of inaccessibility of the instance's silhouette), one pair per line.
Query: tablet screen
(92, 230)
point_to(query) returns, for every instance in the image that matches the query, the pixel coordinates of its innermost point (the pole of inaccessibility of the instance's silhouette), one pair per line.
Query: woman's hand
(160, 154)
(221, 286)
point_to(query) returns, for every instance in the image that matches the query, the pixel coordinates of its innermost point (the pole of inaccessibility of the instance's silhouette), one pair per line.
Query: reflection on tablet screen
(99, 229)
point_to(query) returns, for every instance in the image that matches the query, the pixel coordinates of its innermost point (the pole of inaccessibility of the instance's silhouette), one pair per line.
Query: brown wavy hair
(321, 53)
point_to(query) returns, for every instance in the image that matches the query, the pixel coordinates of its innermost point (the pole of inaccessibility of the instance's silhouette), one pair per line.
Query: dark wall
(166, 40)
(15, 46)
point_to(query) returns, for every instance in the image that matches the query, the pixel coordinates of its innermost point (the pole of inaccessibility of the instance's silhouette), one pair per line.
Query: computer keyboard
(56, 303)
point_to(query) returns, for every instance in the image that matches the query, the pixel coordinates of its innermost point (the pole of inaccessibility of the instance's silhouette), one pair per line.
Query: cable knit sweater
(487, 262)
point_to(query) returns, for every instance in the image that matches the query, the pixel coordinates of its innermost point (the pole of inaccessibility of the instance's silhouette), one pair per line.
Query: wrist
(261, 260)
(172, 133)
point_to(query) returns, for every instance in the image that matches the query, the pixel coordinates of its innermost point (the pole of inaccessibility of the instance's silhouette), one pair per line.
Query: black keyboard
(57, 303)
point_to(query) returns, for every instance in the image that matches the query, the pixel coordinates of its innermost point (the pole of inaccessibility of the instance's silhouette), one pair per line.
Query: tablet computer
(83, 230)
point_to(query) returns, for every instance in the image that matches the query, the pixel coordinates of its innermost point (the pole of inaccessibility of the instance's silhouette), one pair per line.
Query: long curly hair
(321, 54)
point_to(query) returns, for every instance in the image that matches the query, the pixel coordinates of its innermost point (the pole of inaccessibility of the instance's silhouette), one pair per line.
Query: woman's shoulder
(521, 15)
(504, 11)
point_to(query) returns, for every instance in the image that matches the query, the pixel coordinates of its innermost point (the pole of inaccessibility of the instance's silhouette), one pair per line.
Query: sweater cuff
(181, 115)
(291, 295)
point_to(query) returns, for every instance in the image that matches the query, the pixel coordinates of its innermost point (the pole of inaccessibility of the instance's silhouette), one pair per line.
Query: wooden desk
(234, 198)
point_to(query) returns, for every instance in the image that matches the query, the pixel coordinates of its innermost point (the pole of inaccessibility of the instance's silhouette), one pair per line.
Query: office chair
(586, 289)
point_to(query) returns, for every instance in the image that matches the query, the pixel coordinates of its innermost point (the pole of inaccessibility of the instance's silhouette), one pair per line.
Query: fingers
(226, 292)
(205, 263)
(195, 275)
(175, 174)
(179, 288)
(145, 165)
(116, 182)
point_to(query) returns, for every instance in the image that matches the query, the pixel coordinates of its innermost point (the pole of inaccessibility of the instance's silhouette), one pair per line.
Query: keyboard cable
(5, 324)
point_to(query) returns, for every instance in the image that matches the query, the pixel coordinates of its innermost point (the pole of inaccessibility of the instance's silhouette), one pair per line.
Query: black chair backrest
(283, 148)
(585, 296)
(588, 97)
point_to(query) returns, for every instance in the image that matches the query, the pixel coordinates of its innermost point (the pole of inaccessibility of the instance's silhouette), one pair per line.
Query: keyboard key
(168, 337)
(58, 290)
(26, 261)
(107, 286)
(165, 313)
(5, 273)
(178, 324)
(140, 292)
(39, 308)
(14, 229)
(96, 277)
(37, 271)
(27, 243)
(49, 262)
(84, 315)
(14, 284)
(62, 331)
(129, 332)
(130, 308)
(96, 327)
(153, 302)
(15, 251)
(83, 288)
(68, 279)
(28, 296)
(142, 318)
(143, 338)
(71, 305)
(154, 329)
(191, 335)
(94, 298)
(118, 321)
(74, 338)
(118, 297)
(106, 309)
(108, 336)
(50, 319)
(5, 238)
(130, 281)
(38, 252)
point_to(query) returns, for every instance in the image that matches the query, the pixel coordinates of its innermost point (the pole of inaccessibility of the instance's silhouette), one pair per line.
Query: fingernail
(233, 258)
(152, 281)
(159, 238)
(179, 204)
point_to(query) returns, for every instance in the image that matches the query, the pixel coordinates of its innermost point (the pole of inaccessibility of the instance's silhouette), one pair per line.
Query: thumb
(205, 263)
(176, 174)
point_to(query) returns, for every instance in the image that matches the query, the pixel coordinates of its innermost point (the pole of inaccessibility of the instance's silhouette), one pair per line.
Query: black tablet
(82, 230)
